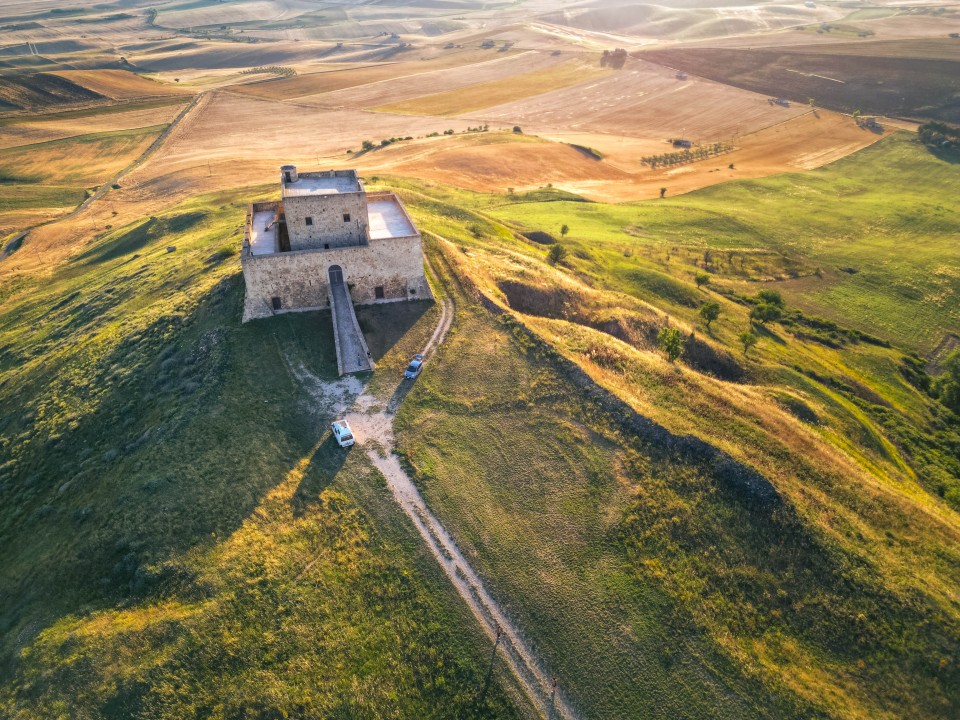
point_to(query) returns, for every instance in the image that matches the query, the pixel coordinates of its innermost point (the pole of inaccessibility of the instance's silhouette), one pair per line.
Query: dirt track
(372, 422)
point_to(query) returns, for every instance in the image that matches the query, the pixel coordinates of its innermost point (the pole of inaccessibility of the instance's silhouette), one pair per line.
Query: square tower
(324, 210)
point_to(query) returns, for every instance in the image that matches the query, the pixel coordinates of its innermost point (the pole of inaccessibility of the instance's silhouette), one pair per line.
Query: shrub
(764, 313)
(517, 129)
(702, 278)
(947, 386)
(670, 340)
(556, 254)
(770, 297)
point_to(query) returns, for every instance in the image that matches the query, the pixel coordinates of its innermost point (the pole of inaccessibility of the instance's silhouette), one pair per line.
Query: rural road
(372, 424)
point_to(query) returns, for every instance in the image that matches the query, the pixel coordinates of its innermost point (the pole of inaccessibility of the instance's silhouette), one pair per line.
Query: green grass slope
(809, 569)
(879, 225)
(181, 536)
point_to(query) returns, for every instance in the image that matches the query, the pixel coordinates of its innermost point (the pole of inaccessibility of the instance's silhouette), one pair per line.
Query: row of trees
(700, 152)
(939, 134)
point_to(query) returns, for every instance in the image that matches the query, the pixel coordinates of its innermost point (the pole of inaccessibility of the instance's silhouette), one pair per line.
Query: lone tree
(709, 312)
(556, 254)
(670, 340)
(518, 130)
(564, 230)
(702, 278)
(769, 307)
(764, 313)
(748, 340)
(663, 191)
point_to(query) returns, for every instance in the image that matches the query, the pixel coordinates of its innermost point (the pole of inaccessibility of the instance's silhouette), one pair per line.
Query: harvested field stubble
(645, 99)
(876, 85)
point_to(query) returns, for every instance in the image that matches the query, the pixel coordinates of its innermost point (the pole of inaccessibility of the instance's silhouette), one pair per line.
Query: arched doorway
(336, 275)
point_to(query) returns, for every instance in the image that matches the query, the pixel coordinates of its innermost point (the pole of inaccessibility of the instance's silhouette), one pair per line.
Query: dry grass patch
(497, 92)
(120, 84)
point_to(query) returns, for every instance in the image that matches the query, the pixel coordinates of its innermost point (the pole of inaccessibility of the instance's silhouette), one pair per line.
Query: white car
(414, 368)
(342, 433)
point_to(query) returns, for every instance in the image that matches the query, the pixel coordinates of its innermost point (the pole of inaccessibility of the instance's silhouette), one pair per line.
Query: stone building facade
(327, 226)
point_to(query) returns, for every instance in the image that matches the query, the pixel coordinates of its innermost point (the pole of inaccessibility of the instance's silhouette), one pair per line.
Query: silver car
(414, 368)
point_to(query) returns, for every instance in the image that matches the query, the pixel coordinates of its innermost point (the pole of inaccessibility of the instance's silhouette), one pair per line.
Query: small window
(326, 246)
(276, 303)
(286, 176)
(346, 217)
(309, 220)
(378, 292)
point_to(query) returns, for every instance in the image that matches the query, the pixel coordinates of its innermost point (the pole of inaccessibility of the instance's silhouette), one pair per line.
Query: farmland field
(119, 84)
(331, 80)
(638, 99)
(43, 180)
(881, 84)
(497, 92)
(57, 127)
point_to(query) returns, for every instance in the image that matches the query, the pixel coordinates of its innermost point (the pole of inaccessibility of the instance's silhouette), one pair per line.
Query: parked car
(342, 433)
(414, 368)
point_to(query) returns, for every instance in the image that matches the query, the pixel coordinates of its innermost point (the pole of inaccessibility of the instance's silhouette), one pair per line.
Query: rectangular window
(276, 303)
(309, 220)
(378, 292)
(326, 246)
(346, 217)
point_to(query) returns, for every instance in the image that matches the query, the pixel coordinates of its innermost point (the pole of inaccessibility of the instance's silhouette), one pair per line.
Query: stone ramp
(352, 353)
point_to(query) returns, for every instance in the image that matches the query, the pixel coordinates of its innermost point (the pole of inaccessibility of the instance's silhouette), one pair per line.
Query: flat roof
(321, 184)
(388, 220)
(263, 236)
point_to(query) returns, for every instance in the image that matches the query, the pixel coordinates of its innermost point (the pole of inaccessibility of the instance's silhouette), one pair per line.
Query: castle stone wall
(301, 279)
(329, 229)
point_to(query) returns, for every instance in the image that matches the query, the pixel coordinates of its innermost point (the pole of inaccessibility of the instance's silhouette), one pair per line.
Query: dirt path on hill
(372, 422)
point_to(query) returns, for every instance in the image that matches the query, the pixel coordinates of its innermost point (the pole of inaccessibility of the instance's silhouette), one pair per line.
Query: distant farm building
(327, 244)
(783, 102)
(681, 75)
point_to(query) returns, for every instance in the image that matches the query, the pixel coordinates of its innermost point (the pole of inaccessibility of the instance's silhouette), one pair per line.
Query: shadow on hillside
(140, 236)
(950, 155)
(196, 419)
(385, 325)
(767, 334)
(325, 463)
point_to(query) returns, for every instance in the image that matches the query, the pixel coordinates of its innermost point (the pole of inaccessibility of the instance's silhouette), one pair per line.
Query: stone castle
(328, 239)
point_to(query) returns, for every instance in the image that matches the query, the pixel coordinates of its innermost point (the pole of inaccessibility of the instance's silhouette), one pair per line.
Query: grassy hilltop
(182, 538)
(765, 535)
(651, 576)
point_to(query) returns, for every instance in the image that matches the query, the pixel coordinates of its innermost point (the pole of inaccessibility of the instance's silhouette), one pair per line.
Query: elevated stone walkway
(352, 353)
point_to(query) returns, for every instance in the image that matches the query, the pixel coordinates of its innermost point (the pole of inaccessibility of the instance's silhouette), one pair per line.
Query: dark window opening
(326, 246)
(286, 176)
(276, 303)
(309, 220)
(346, 217)
(413, 291)
(378, 292)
